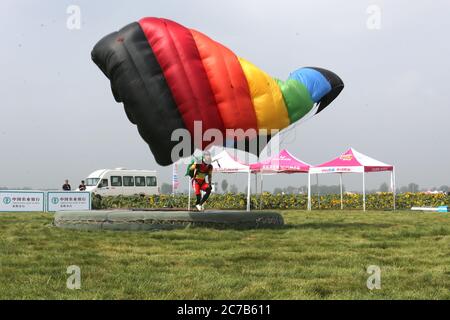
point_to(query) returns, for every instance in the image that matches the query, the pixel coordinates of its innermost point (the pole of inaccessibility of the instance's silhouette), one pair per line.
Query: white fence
(40, 201)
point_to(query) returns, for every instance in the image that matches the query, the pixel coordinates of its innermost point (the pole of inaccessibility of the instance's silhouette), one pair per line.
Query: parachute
(168, 77)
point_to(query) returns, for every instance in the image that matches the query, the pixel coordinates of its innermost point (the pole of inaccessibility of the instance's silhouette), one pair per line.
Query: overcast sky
(59, 120)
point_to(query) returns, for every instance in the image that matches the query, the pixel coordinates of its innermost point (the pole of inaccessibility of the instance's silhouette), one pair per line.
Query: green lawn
(318, 255)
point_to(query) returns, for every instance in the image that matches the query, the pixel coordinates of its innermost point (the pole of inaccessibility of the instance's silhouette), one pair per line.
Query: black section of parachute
(137, 80)
(337, 85)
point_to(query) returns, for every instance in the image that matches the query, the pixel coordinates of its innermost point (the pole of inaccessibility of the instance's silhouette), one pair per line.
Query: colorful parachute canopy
(169, 76)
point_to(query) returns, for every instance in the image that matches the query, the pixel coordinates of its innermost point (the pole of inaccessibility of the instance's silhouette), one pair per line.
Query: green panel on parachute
(297, 99)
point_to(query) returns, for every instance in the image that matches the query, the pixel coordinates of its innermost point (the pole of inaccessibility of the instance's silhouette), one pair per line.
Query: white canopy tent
(223, 162)
(351, 161)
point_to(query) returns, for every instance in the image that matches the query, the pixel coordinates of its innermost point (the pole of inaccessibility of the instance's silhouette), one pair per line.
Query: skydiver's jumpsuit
(199, 181)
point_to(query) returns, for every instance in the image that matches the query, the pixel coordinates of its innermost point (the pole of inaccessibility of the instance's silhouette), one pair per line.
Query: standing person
(201, 171)
(66, 186)
(82, 186)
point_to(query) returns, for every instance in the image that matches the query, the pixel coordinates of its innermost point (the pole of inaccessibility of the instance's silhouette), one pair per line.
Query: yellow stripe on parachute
(270, 109)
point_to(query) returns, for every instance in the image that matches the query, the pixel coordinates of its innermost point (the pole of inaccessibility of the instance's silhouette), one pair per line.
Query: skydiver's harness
(193, 165)
(200, 171)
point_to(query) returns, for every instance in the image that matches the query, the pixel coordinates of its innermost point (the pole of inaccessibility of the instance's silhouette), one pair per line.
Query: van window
(128, 181)
(116, 181)
(140, 181)
(91, 182)
(151, 181)
(103, 184)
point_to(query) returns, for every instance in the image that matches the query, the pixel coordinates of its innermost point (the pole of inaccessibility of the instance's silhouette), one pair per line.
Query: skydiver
(201, 171)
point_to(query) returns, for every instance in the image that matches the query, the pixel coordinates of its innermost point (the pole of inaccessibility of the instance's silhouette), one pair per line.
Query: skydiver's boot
(205, 197)
(198, 202)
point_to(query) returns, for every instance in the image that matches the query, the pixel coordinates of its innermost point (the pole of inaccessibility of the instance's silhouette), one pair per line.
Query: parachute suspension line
(286, 133)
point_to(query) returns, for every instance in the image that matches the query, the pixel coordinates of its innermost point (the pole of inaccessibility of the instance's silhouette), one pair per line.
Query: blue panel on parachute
(317, 85)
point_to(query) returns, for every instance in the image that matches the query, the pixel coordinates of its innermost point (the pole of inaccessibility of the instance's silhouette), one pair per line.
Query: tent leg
(248, 190)
(318, 191)
(189, 195)
(261, 189)
(309, 191)
(393, 186)
(364, 191)
(342, 200)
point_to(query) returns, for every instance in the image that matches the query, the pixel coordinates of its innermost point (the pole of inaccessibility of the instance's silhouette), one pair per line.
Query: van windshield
(92, 182)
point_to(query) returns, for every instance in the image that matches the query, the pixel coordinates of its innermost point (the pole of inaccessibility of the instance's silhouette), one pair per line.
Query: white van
(120, 181)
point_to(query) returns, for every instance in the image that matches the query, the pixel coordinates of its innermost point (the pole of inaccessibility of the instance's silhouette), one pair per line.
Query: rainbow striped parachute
(169, 76)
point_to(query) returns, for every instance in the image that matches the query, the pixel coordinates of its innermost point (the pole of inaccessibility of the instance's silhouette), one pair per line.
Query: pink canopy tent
(283, 162)
(351, 161)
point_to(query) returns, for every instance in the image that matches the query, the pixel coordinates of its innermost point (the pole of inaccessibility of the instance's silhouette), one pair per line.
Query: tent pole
(342, 200)
(248, 189)
(189, 195)
(261, 189)
(309, 191)
(318, 191)
(364, 190)
(393, 186)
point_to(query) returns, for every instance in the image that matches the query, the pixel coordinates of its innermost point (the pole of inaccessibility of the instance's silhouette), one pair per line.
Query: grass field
(318, 255)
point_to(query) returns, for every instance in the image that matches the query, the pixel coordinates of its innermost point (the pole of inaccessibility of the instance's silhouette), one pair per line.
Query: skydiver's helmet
(206, 157)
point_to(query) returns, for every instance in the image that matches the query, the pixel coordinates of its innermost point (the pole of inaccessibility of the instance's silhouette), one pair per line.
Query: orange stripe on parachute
(228, 83)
